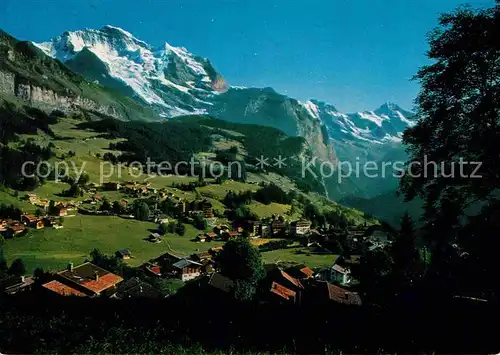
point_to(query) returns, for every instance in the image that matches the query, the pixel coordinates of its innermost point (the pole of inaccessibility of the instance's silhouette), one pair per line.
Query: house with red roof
(14, 230)
(154, 269)
(86, 280)
(276, 274)
(300, 272)
(283, 293)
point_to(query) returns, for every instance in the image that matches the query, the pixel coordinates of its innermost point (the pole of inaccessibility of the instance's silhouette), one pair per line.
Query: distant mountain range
(177, 82)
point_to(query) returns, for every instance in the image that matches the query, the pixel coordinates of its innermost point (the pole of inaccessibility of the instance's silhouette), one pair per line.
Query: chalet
(300, 272)
(181, 207)
(124, 254)
(278, 227)
(356, 232)
(86, 280)
(3, 225)
(340, 295)
(131, 188)
(136, 288)
(60, 211)
(29, 220)
(378, 236)
(275, 274)
(253, 228)
(265, 230)
(340, 274)
(42, 203)
(201, 238)
(215, 250)
(112, 186)
(155, 238)
(231, 235)
(221, 229)
(202, 257)
(300, 227)
(16, 284)
(210, 236)
(193, 214)
(162, 220)
(153, 269)
(49, 221)
(15, 230)
(187, 269)
(32, 198)
(167, 260)
(207, 209)
(283, 293)
(221, 282)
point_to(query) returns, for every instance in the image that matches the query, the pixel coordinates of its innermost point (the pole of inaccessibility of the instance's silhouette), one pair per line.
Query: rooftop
(91, 277)
(62, 289)
(221, 282)
(185, 263)
(293, 280)
(124, 252)
(338, 294)
(282, 291)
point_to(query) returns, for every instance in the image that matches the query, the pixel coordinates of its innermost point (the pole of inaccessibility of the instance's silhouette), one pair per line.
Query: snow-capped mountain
(169, 78)
(383, 125)
(175, 82)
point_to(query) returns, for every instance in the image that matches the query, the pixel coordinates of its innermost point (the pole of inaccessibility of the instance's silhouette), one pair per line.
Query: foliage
(180, 228)
(167, 141)
(141, 211)
(459, 110)
(272, 193)
(106, 206)
(242, 262)
(10, 211)
(3, 263)
(171, 227)
(74, 190)
(118, 208)
(199, 222)
(405, 255)
(17, 268)
(163, 228)
(110, 263)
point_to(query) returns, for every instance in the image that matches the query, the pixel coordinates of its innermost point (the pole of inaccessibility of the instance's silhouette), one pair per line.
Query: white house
(340, 274)
(187, 269)
(300, 227)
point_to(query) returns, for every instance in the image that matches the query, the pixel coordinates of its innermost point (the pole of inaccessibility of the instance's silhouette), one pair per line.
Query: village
(285, 282)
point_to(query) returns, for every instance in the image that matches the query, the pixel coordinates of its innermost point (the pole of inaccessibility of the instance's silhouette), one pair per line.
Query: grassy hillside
(52, 248)
(86, 144)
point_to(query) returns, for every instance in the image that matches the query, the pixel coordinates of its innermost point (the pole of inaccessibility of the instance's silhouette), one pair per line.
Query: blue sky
(353, 54)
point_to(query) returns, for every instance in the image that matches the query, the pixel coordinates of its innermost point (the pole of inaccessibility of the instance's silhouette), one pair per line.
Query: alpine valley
(129, 79)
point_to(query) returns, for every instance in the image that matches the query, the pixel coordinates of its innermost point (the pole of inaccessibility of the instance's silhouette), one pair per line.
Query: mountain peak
(389, 106)
(170, 78)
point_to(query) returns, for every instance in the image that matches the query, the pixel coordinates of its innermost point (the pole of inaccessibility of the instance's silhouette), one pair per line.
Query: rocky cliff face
(37, 96)
(266, 107)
